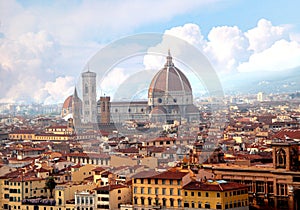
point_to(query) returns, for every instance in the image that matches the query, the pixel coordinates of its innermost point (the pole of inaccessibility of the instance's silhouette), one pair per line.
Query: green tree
(50, 184)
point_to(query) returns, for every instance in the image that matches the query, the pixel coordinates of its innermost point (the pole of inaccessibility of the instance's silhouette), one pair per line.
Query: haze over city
(45, 45)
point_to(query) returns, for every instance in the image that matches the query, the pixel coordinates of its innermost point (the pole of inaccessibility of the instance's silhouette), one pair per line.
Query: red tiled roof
(164, 175)
(214, 186)
(288, 133)
(22, 132)
(170, 175)
(92, 155)
(98, 169)
(145, 174)
(111, 187)
(128, 150)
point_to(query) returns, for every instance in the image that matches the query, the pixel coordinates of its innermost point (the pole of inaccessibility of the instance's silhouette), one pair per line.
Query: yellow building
(52, 133)
(215, 195)
(15, 187)
(155, 190)
(112, 196)
(80, 172)
(65, 194)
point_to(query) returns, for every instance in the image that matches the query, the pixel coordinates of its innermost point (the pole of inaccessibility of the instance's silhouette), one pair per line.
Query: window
(156, 191)
(226, 194)
(156, 181)
(163, 181)
(171, 191)
(178, 192)
(135, 190)
(171, 182)
(185, 193)
(163, 191)
(192, 194)
(178, 182)
(149, 201)
(218, 206)
(119, 198)
(142, 200)
(199, 205)
(119, 191)
(164, 202)
(142, 190)
(207, 205)
(260, 186)
(199, 194)
(206, 195)
(218, 195)
(135, 200)
(149, 190)
(149, 181)
(179, 203)
(142, 181)
(186, 205)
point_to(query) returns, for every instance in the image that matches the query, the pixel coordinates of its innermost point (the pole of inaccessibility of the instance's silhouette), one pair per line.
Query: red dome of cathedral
(68, 103)
(169, 79)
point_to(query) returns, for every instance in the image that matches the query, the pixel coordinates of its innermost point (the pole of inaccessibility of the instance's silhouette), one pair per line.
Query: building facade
(275, 185)
(170, 98)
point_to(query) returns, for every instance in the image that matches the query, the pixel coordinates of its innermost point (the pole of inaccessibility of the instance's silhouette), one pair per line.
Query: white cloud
(113, 80)
(226, 47)
(25, 64)
(57, 91)
(264, 35)
(280, 56)
(190, 33)
(45, 40)
(229, 49)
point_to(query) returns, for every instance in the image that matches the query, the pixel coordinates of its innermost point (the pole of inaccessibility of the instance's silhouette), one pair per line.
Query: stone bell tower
(285, 155)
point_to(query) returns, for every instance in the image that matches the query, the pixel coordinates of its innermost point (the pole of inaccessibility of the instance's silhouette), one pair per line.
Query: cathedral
(170, 98)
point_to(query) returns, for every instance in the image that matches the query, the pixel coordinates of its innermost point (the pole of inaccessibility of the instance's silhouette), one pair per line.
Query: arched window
(149, 201)
(281, 158)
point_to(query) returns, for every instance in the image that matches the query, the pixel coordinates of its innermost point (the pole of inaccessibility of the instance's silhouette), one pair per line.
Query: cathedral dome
(67, 106)
(169, 86)
(68, 103)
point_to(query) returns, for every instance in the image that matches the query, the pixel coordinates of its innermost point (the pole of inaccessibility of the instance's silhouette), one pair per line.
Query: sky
(45, 45)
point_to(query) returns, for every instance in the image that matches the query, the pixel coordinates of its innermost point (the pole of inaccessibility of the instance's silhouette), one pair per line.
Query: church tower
(89, 97)
(104, 109)
(285, 155)
(77, 109)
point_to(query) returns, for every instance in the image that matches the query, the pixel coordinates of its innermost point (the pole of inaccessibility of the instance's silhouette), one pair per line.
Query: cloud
(264, 35)
(26, 64)
(282, 55)
(190, 33)
(262, 48)
(56, 91)
(113, 80)
(45, 40)
(226, 47)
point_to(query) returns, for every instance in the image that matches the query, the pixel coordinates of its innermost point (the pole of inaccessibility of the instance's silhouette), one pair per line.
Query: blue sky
(44, 45)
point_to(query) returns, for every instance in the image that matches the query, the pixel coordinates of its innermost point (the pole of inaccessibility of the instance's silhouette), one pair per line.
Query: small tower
(76, 108)
(89, 97)
(285, 155)
(104, 110)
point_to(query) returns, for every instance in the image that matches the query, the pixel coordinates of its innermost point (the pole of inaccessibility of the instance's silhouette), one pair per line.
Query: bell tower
(104, 110)
(285, 155)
